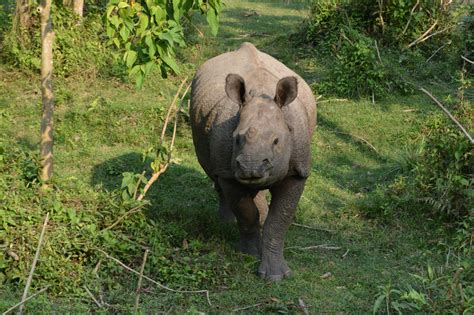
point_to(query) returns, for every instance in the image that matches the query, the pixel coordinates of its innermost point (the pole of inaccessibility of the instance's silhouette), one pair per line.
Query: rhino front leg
(285, 197)
(225, 212)
(241, 202)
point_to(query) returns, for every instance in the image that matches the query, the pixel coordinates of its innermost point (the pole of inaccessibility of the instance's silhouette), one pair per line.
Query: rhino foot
(250, 246)
(274, 269)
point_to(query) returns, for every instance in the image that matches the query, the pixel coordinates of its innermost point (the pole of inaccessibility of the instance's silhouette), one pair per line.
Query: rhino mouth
(251, 180)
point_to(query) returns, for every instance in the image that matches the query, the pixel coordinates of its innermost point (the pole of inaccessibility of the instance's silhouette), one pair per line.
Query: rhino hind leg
(241, 201)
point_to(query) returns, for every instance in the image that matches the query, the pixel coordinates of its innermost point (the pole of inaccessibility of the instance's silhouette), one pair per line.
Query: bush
(79, 48)
(350, 31)
(80, 224)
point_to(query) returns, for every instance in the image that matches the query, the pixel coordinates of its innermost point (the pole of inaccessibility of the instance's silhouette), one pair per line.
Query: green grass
(104, 125)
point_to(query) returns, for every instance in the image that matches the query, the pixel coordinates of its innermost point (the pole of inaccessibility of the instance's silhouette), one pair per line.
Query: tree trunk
(76, 5)
(46, 142)
(79, 7)
(22, 16)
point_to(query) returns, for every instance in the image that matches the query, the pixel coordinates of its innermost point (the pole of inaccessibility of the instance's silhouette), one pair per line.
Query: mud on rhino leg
(241, 201)
(225, 212)
(285, 197)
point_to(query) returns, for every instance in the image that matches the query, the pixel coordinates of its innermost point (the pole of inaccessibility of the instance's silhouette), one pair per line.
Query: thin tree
(22, 16)
(46, 142)
(76, 5)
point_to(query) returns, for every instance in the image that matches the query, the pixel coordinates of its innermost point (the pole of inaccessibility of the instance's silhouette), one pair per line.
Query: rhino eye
(275, 142)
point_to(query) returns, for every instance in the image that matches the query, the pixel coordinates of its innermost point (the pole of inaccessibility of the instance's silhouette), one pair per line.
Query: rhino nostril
(267, 163)
(238, 164)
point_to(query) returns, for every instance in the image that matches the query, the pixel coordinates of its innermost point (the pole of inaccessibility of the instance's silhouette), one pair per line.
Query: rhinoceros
(252, 120)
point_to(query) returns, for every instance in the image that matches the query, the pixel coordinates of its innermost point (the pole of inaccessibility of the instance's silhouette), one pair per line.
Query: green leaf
(124, 33)
(139, 80)
(122, 5)
(213, 21)
(171, 63)
(115, 21)
(378, 303)
(143, 24)
(131, 58)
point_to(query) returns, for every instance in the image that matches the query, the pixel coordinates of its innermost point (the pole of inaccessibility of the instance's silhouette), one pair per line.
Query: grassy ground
(103, 126)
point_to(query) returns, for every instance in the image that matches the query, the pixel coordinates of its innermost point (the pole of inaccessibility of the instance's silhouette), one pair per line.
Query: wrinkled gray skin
(252, 120)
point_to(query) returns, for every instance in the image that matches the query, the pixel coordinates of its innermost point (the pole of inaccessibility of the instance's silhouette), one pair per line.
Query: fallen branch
(409, 19)
(357, 137)
(345, 254)
(26, 300)
(322, 246)
(139, 285)
(131, 211)
(436, 51)
(423, 35)
(153, 281)
(470, 61)
(303, 307)
(435, 33)
(313, 228)
(449, 115)
(92, 297)
(378, 51)
(35, 260)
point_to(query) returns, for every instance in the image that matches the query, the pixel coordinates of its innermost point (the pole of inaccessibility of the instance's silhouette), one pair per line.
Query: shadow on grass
(182, 197)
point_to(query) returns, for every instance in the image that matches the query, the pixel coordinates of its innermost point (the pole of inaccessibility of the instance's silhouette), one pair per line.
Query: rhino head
(262, 142)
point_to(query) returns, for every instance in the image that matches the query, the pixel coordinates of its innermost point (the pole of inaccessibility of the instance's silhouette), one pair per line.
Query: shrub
(78, 48)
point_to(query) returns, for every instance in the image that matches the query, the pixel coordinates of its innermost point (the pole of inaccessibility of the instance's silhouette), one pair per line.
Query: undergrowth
(382, 47)
(79, 46)
(83, 222)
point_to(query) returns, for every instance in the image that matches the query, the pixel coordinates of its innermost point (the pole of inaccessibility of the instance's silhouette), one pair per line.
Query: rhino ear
(286, 91)
(235, 88)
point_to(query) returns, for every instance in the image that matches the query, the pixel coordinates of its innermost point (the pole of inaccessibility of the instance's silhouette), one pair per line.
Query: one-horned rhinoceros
(252, 120)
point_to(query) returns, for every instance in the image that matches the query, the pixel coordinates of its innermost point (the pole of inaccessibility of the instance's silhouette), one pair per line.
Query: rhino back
(214, 115)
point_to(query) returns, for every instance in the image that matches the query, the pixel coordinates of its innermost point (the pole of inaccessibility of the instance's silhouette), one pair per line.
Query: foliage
(380, 46)
(77, 228)
(148, 31)
(445, 290)
(358, 71)
(78, 48)
(395, 23)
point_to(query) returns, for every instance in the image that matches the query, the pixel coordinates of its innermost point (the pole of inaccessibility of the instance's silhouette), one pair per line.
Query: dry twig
(345, 254)
(164, 167)
(378, 51)
(357, 137)
(322, 246)
(470, 61)
(312, 227)
(139, 285)
(35, 260)
(409, 19)
(26, 300)
(92, 297)
(449, 115)
(168, 114)
(162, 286)
(303, 307)
(436, 51)
(419, 39)
(131, 211)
